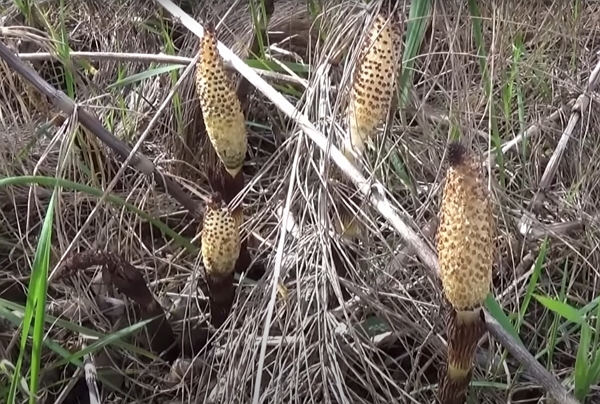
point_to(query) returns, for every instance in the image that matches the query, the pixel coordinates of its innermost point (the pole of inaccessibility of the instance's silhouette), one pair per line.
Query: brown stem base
(225, 185)
(345, 256)
(129, 281)
(160, 334)
(221, 294)
(465, 328)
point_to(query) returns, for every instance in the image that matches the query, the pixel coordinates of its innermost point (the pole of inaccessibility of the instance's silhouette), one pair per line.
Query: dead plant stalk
(577, 110)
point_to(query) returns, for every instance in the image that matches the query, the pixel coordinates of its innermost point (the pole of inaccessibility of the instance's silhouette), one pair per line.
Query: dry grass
(385, 344)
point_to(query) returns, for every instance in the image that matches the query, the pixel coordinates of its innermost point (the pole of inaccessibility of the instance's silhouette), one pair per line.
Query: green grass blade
(582, 365)
(134, 78)
(52, 345)
(104, 341)
(35, 309)
(418, 19)
(298, 68)
(54, 182)
(41, 266)
(562, 309)
(537, 268)
(496, 311)
(594, 377)
(76, 328)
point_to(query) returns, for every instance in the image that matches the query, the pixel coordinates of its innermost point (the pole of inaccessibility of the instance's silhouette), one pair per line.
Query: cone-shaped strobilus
(220, 251)
(221, 108)
(373, 84)
(465, 244)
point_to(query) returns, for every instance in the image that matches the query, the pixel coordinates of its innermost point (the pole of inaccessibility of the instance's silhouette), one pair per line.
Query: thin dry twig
(152, 58)
(377, 199)
(532, 131)
(93, 124)
(577, 110)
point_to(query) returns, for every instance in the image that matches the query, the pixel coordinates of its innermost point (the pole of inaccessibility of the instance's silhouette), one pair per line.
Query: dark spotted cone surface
(465, 240)
(465, 244)
(221, 248)
(373, 85)
(221, 108)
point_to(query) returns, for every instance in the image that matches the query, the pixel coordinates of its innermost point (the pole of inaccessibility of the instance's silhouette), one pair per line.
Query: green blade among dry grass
(418, 20)
(35, 311)
(442, 70)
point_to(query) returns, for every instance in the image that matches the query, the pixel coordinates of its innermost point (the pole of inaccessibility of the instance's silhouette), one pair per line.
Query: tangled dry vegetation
(322, 315)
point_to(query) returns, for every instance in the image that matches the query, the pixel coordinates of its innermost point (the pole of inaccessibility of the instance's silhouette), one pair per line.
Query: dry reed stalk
(465, 246)
(90, 151)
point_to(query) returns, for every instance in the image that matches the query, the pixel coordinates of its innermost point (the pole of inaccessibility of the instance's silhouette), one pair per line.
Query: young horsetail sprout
(221, 108)
(220, 251)
(465, 245)
(373, 86)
